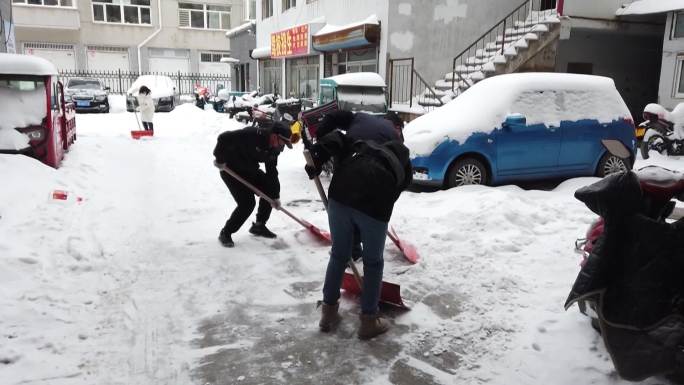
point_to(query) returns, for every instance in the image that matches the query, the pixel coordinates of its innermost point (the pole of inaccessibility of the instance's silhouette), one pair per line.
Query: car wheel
(467, 171)
(611, 164)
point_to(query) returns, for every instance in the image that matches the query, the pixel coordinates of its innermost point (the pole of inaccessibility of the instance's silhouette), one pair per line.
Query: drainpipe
(155, 33)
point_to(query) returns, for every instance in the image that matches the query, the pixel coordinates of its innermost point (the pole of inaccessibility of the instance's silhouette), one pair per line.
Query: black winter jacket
(242, 151)
(369, 177)
(359, 126)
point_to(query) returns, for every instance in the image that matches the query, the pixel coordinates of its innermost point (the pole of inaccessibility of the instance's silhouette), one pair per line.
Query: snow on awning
(647, 7)
(241, 28)
(359, 34)
(262, 52)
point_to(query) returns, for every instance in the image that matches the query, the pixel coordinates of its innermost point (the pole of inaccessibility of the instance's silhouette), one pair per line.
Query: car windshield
(367, 99)
(84, 84)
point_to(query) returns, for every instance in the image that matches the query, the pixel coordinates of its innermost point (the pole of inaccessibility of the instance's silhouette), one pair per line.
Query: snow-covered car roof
(485, 105)
(160, 85)
(647, 7)
(359, 79)
(16, 64)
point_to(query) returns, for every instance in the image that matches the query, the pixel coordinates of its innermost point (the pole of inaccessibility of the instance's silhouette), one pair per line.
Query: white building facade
(128, 35)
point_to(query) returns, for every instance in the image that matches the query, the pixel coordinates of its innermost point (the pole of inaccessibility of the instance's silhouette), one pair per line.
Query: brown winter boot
(371, 325)
(329, 317)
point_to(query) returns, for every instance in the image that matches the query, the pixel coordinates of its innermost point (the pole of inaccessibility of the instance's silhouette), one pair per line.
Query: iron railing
(120, 81)
(408, 88)
(497, 39)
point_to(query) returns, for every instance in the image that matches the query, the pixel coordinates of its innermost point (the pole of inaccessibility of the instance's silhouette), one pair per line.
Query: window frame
(24, 3)
(205, 13)
(679, 67)
(122, 15)
(676, 16)
(266, 5)
(288, 4)
(220, 54)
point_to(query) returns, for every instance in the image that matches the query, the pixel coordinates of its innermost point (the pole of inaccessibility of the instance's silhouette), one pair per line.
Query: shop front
(349, 48)
(301, 67)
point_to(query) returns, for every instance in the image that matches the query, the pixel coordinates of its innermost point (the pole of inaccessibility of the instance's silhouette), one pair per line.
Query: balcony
(29, 16)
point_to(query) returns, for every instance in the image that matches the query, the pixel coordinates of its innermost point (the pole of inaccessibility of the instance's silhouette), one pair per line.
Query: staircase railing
(527, 13)
(406, 86)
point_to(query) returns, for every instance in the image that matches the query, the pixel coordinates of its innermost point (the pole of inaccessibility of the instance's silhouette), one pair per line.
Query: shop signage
(361, 35)
(290, 42)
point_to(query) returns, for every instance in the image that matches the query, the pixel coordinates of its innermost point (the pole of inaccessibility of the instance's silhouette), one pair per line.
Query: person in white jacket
(146, 106)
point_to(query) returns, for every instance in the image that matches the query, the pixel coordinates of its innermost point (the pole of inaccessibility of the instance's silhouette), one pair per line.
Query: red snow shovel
(390, 293)
(318, 233)
(139, 133)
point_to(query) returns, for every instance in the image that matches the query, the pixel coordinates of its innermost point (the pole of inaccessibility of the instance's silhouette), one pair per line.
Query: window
(203, 16)
(250, 9)
(302, 77)
(212, 57)
(122, 11)
(678, 25)
(310, 1)
(266, 9)
(679, 79)
(47, 3)
(270, 76)
(287, 4)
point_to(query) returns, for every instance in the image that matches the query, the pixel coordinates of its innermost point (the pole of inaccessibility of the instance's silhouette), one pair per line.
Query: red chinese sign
(290, 42)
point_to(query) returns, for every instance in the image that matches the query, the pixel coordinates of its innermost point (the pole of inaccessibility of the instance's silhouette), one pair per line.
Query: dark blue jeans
(342, 220)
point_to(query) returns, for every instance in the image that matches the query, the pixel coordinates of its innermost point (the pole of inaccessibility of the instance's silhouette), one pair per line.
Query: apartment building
(130, 35)
(6, 27)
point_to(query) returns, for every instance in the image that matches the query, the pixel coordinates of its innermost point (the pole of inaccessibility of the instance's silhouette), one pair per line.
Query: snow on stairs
(496, 57)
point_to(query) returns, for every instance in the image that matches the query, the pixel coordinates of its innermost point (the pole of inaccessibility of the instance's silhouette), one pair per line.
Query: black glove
(312, 171)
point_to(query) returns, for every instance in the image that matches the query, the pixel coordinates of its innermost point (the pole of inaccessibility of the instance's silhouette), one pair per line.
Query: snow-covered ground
(130, 285)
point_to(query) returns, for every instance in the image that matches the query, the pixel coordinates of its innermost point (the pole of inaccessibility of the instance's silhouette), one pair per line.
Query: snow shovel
(390, 293)
(140, 133)
(318, 233)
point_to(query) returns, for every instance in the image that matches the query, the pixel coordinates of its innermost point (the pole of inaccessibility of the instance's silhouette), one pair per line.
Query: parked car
(521, 127)
(164, 92)
(87, 94)
(359, 91)
(35, 119)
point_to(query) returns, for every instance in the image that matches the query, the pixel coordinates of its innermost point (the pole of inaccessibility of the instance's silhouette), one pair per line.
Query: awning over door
(356, 35)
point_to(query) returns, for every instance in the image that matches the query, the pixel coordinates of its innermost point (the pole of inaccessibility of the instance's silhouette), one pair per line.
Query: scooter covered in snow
(664, 130)
(631, 277)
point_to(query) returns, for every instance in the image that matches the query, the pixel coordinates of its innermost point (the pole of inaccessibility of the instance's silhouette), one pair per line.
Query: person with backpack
(367, 182)
(361, 126)
(242, 151)
(146, 105)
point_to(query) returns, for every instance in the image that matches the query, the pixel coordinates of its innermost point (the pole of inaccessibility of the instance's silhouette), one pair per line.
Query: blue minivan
(520, 127)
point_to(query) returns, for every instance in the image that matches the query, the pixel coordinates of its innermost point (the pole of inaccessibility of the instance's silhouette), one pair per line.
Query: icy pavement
(131, 286)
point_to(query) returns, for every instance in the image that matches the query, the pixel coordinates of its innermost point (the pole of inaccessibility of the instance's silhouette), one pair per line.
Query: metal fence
(120, 81)
(408, 89)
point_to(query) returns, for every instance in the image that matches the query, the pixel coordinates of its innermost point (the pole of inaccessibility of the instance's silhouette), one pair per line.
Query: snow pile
(330, 28)
(16, 64)
(484, 106)
(359, 79)
(645, 7)
(20, 109)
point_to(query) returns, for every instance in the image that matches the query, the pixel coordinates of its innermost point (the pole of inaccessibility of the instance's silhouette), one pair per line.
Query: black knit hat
(283, 132)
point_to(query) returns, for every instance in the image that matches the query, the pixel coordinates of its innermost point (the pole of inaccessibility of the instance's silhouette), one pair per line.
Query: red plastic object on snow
(140, 133)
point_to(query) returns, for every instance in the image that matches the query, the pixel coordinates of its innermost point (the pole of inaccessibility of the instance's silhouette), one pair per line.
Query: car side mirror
(514, 121)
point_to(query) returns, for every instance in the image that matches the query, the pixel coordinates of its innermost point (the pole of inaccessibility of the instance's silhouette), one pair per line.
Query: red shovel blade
(318, 233)
(390, 293)
(410, 252)
(141, 133)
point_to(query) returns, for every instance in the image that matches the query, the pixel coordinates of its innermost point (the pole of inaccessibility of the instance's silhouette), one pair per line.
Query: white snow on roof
(16, 64)
(363, 79)
(262, 52)
(646, 7)
(241, 28)
(484, 106)
(331, 28)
